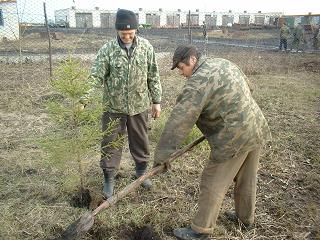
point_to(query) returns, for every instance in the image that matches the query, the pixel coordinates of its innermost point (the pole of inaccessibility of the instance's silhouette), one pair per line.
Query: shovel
(85, 222)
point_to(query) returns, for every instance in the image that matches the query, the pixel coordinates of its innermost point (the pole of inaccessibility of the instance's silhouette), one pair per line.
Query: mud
(313, 66)
(31, 171)
(145, 233)
(101, 231)
(81, 199)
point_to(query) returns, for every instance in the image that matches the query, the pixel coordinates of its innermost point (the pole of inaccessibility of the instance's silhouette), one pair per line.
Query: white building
(84, 18)
(9, 22)
(96, 18)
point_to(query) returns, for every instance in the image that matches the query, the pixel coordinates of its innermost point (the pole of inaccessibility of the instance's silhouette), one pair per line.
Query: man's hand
(167, 166)
(160, 158)
(156, 110)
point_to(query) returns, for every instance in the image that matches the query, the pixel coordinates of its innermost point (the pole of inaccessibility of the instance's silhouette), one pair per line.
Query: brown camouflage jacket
(298, 33)
(218, 100)
(129, 83)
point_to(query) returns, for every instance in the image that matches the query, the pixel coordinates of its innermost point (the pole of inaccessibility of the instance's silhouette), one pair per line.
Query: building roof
(303, 15)
(6, 1)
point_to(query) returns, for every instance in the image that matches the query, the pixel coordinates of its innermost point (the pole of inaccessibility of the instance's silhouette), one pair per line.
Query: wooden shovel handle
(135, 184)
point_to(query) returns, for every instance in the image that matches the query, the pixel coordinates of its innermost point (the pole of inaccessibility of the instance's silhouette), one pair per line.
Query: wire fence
(35, 30)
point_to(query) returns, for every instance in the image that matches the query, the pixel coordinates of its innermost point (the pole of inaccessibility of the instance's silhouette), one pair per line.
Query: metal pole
(189, 28)
(49, 38)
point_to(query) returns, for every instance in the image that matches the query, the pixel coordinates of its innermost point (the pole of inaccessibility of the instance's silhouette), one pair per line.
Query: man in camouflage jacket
(298, 38)
(126, 68)
(284, 35)
(216, 97)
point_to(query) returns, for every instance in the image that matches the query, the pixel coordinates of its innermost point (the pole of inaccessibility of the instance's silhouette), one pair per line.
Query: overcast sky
(285, 6)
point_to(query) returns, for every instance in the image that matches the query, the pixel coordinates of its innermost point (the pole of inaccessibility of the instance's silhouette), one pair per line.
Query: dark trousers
(315, 43)
(283, 42)
(137, 137)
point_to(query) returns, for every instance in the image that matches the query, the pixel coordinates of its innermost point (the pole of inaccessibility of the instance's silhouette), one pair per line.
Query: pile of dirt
(86, 198)
(100, 231)
(313, 66)
(81, 198)
(145, 233)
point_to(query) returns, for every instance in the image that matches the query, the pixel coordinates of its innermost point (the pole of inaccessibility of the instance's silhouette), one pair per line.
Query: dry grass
(68, 43)
(239, 35)
(35, 197)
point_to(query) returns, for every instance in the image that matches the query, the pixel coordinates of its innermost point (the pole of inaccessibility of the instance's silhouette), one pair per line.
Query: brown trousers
(215, 181)
(137, 137)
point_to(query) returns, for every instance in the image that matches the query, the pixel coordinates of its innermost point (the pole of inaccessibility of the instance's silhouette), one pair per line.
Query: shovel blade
(79, 227)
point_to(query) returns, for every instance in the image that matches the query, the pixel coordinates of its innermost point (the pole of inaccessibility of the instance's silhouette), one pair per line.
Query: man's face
(127, 36)
(185, 69)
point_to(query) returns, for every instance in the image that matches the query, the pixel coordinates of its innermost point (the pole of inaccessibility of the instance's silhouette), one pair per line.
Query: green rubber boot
(141, 169)
(108, 184)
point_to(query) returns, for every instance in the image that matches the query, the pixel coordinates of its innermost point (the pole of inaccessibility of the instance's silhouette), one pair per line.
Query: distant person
(204, 32)
(216, 97)
(284, 35)
(126, 67)
(298, 38)
(316, 37)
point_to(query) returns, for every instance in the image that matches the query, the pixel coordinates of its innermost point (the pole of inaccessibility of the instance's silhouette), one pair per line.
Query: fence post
(49, 38)
(189, 28)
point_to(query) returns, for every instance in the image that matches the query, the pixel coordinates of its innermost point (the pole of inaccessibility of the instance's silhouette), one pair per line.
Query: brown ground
(35, 203)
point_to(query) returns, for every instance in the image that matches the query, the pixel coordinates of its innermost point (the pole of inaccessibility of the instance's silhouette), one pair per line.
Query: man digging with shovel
(216, 97)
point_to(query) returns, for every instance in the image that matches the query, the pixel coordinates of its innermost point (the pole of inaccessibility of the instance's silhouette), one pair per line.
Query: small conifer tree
(73, 139)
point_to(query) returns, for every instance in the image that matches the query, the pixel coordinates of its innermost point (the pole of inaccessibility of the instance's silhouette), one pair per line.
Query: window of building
(1, 18)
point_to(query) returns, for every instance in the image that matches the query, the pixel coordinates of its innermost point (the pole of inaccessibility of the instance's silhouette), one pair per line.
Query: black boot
(231, 216)
(108, 184)
(189, 234)
(141, 169)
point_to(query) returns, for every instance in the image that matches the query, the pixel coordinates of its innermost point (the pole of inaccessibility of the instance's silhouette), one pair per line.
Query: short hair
(183, 54)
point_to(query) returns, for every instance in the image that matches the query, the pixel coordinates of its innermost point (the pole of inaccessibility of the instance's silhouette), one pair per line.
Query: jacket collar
(200, 61)
(122, 45)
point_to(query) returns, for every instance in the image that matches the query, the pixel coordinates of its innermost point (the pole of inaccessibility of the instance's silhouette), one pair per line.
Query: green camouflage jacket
(298, 32)
(216, 98)
(284, 32)
(128, 82)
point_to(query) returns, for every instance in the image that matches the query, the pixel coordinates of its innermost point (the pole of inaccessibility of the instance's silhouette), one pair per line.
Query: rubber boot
(189, 234)
(108, 184)
(141, 169)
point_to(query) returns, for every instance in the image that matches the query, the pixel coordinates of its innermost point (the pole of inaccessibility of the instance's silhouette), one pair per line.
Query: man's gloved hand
(167, 166)
(160, 158)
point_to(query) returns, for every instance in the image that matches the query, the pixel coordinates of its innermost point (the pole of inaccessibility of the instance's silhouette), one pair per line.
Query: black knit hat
(126, 20)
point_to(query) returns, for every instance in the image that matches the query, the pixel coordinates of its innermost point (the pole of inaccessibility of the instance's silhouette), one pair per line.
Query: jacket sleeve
(185, 114)
(154, 84)
(99, 71)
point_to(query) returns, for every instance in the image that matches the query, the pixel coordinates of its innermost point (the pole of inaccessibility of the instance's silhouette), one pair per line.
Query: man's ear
(193, 60)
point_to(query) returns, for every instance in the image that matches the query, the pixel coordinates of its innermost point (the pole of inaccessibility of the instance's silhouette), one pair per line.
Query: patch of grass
(69, 43)
(34, 206)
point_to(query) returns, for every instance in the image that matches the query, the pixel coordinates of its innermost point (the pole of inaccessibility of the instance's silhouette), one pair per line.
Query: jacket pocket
(222, 143)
